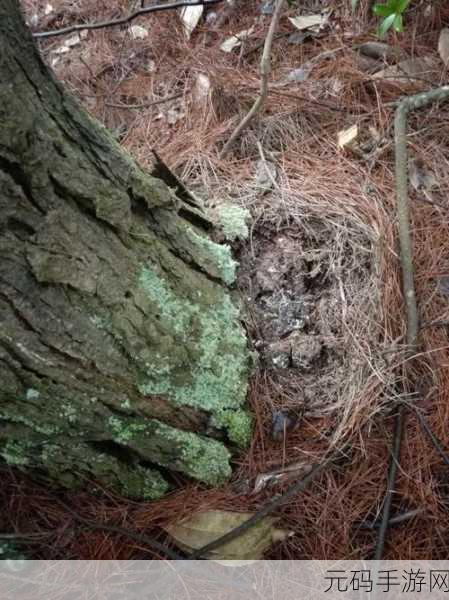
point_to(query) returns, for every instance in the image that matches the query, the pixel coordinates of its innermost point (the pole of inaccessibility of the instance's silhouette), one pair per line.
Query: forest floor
(319, 274)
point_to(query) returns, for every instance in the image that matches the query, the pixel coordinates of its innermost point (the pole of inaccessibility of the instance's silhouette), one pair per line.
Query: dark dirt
(293, 315)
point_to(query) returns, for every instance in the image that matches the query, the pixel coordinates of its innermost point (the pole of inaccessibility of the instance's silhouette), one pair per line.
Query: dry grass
(342, 203)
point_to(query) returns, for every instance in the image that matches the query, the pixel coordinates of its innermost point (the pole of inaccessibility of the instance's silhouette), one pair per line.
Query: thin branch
(124, 20)
(434, 324)
(396, 520)
(394, 463)
(267, 509)
(264, 74)
(407, 268)
(144, 104)
(137, 537)
(432, 437)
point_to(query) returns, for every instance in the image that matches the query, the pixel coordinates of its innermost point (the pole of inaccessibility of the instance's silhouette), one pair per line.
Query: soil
(293, 313)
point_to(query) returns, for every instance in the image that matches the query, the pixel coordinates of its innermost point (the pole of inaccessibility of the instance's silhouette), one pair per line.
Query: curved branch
(124, 20)
(264, 73)
(408, 286)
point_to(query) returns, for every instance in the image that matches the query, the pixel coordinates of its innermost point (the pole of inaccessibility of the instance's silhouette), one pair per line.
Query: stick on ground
(408, 286)
(264, 74)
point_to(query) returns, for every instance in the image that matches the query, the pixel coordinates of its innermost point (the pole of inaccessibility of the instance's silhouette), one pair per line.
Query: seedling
(392, 14)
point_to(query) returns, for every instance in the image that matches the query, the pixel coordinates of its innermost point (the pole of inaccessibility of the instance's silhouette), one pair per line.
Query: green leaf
(398, 23)
(201, 528)
(386, 24)
(402, 5)
(382, 10)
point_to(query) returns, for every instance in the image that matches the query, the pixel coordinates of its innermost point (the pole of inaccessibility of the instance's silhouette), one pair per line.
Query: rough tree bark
(121, 354)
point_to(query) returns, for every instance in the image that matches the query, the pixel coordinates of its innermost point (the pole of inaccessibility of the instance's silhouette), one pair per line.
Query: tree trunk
(120, 349)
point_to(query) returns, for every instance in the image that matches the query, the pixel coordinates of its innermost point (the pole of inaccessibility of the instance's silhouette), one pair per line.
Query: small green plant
(392, 14)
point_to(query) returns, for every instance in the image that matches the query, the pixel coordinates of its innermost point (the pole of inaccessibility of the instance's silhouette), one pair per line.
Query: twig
(264, 73)
(264, 162)
(137, 537)
(434, 324)
(397, 520)
(408, 287)
(124, 20)
(145, 104)
(433, 438)
(267, 509)
(394, 463)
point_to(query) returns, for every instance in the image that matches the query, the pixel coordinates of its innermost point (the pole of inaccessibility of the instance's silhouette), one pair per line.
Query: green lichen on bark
(220, 254)
(73, 462)
(217, 383)
(233, 221)
(203, 459)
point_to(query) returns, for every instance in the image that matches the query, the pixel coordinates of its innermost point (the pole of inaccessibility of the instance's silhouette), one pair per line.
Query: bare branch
(408, 287)
(124, 20)
(264, 74)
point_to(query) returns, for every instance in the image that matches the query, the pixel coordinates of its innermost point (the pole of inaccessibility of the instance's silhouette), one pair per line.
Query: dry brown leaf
(202, 528)
(348, 137)
(202, 88)
(190, 17)
(416, 72)
(443, 46)
(138, 32)
(309, 21)
(278, 476)
(236, 40)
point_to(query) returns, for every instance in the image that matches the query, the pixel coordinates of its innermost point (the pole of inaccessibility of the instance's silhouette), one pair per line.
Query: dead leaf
(201, 88)
(68, 44)
(415, 72)
(278, 476)
(174, 114)
(314, 22)
(202, 528)
(364, 142)
(347, 138)
(236, 40)
(138, 32)
(443, 46)
(301, 74)
(190, 17)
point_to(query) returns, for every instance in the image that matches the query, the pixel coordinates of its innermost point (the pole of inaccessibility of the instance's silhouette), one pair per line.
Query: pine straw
(344, 203)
